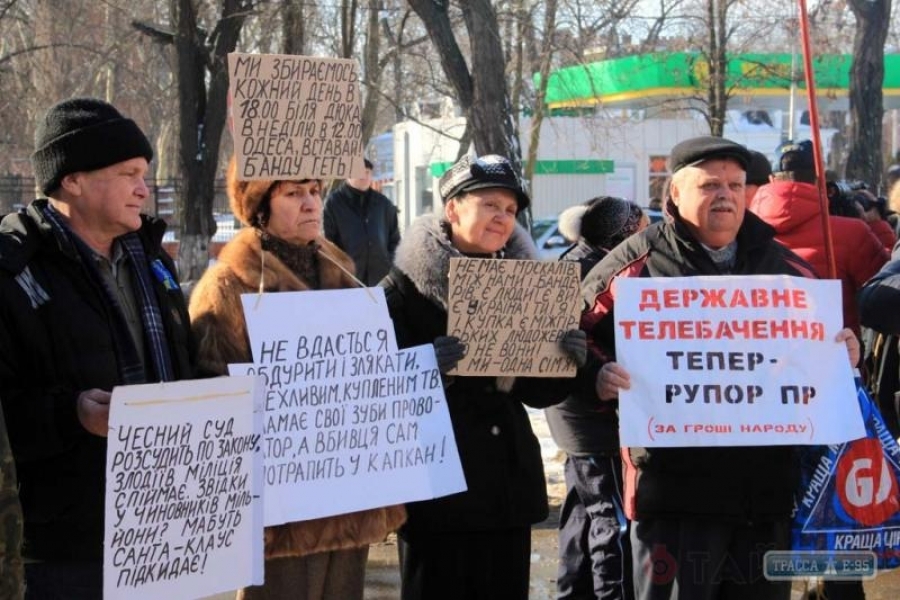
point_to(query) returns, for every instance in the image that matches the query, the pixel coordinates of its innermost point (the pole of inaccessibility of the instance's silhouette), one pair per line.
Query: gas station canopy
(753, 81)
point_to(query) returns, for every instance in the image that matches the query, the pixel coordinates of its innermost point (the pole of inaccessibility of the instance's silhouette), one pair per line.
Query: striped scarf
(131, 369)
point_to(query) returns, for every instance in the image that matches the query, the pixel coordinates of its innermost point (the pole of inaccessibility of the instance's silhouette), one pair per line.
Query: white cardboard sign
(184, 489)
(733, 361)
(350, 421)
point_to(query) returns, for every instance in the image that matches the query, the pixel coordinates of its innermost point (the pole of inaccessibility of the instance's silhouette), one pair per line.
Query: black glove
(448, 350)
(574, 343)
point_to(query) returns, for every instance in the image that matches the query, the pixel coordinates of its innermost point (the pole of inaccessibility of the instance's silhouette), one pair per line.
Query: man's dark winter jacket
(879, 299)
(582, 425)
(55, 342)
(500, 455)
(364, 225)
(724, 483)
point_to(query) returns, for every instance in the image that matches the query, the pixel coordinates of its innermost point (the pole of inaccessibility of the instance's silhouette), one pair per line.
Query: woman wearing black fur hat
(598, 226)
(594, 552)
(475, 544)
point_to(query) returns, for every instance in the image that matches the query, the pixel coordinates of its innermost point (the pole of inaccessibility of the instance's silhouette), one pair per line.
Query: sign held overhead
(295, 117)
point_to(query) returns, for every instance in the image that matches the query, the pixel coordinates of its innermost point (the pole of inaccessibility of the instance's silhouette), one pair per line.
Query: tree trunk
(864, 160)
(202, 113)
(372, 70)
(348, 28)
(541, 92)
(495, 130)
(717, 12)
(517, 51)
(437, 22)
(293, 28)
(482, 93)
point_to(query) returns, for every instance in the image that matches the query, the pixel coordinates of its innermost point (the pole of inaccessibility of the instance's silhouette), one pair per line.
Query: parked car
(549, 241)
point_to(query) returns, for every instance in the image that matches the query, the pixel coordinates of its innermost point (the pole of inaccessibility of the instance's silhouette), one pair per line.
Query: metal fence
(17, 191)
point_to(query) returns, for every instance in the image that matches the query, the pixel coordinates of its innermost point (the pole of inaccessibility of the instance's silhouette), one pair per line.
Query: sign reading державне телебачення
(733, 361)
(295, 117)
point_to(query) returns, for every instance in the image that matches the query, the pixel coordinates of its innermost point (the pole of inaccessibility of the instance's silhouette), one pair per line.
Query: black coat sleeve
(879, 298)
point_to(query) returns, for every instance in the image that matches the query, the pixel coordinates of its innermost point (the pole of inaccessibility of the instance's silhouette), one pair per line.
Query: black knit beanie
(602, 222)
(83, 134)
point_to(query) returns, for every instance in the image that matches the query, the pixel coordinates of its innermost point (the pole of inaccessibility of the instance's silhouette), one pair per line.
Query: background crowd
(90, 301)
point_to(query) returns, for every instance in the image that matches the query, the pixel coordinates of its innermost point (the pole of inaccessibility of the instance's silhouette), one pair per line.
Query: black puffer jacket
(55, 342)
(582, 425)
(500, 455)
(364, 225)
(740, 483)
(879, 298)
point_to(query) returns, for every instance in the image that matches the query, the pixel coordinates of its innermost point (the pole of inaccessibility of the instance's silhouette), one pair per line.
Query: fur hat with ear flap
(603, 222)
(249, 199)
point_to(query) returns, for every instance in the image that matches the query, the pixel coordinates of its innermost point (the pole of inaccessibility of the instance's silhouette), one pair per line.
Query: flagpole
(809, 75)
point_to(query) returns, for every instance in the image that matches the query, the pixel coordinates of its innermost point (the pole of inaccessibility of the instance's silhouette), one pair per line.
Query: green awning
(550, 167)
(633, 79)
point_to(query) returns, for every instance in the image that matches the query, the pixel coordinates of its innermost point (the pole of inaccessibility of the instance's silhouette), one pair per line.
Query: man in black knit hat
(758, 171)
(90, 301)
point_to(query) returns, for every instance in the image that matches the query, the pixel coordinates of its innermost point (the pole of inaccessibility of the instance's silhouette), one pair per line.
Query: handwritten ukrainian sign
(184, 489)
(295, 117)
(511, 314)
(733, 361)
(345, 410)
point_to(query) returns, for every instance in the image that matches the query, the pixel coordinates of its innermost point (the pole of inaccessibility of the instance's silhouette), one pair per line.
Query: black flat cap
(481, 172)
(696, 150)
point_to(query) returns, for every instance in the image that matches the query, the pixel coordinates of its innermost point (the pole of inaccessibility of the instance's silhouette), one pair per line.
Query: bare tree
(202, 74)
(293, 27)
(373, 68)
(398, 55)
(717, 100)
(482, 91)
(50, 51)
(546, 60)
(864, 160)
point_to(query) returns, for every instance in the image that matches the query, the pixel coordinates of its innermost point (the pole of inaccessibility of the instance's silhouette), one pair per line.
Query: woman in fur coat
(282, 250)
(475, 544)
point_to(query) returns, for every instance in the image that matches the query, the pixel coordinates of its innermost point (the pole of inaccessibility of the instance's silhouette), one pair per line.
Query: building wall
(416, 147)
(635, 145)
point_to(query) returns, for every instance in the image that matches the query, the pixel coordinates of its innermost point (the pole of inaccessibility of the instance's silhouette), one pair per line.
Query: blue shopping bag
(849, 497)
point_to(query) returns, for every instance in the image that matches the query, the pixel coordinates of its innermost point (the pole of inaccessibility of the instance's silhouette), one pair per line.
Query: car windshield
(539, 226)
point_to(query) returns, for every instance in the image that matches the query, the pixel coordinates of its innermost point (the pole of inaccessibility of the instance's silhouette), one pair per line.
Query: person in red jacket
(790, 204)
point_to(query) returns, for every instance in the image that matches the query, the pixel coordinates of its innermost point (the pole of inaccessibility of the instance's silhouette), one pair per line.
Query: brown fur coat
(217, 319)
